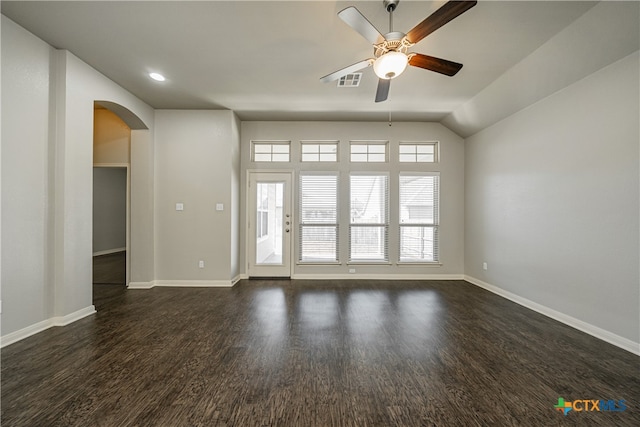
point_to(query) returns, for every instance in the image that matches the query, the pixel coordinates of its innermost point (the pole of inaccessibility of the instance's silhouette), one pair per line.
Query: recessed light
(157, 77)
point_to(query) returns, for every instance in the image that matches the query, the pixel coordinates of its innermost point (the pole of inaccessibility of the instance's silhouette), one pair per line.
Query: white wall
(109, 209)
(26, 176)
(141, 244)
(0, 184)
(51, 95)
(552, 202)
(451, 168)
(194, 166)
(236, 194)
(80, 88)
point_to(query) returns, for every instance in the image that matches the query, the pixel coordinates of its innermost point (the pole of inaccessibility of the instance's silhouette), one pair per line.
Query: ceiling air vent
(350, 80)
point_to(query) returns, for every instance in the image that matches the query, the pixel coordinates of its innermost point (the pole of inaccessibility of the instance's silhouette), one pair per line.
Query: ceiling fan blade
(346, 70)
(437, 19)
(383, 90)
(356, 20)
(442, 66)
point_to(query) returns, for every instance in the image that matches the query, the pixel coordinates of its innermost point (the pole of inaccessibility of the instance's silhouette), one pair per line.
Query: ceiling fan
(391, 55)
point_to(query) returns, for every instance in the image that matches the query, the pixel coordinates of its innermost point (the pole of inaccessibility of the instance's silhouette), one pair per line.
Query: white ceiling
(264, 59)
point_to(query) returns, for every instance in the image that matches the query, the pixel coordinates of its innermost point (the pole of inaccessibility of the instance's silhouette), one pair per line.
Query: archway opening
(111, 199)
(120, 198)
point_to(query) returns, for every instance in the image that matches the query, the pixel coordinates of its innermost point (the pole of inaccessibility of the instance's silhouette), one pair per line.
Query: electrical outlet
(201, 264)
(484, 266)
(352, 270)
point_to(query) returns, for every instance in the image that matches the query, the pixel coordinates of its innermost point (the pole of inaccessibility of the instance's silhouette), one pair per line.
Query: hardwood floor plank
(110, 268)
(313, 353)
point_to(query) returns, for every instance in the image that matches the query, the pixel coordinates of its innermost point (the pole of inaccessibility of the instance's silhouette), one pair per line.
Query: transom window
(418, 152)
(270, 151)
(369, 151)
(319, 151)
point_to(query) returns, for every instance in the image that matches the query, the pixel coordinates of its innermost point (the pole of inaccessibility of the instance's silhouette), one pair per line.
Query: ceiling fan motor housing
(390, 5)
(395, 41)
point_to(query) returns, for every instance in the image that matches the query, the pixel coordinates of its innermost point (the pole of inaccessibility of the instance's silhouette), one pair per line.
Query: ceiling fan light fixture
(390, 65)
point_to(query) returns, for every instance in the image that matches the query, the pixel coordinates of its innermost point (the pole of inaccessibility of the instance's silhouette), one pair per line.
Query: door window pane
(269, 222)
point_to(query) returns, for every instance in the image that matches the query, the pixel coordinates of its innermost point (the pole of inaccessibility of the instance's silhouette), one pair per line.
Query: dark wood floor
(110, 269)
(313, 353)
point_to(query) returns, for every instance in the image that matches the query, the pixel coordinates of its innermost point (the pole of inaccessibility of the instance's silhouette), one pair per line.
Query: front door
(269, 224)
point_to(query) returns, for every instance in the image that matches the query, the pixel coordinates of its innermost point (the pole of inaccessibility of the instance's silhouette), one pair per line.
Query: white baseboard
(604, 335)
(25, 332)
(45, 324)
(194, 283)
(238, 278)
(109, 251)
(140, 285)
(77, 315)
(182, 284)
(378, 276)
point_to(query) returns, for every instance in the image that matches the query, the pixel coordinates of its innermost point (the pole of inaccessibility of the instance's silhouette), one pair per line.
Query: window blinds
(419, 198)
(369, 224)
(318, 240)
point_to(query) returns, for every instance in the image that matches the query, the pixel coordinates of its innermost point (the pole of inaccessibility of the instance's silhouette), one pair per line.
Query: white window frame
(435, 224)
(367, 152)
(302, 224)
(415, 154)
(308, 143)
(384, 225)
(271, 145)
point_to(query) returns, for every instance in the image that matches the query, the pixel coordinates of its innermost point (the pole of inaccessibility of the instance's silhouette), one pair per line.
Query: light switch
(179, 206)
(219, 207)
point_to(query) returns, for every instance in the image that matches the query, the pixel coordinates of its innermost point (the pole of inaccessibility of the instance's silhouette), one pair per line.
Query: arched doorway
(111, 198)
(122, 142)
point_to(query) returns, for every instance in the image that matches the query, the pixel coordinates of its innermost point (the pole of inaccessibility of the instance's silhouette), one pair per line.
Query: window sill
(419, 263)
(367, 262)
(318, 263)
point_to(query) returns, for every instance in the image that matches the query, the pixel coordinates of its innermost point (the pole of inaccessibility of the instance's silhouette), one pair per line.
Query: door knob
(287, 230)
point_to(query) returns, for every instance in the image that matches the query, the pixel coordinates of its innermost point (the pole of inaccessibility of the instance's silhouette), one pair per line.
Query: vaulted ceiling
(264, 59)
